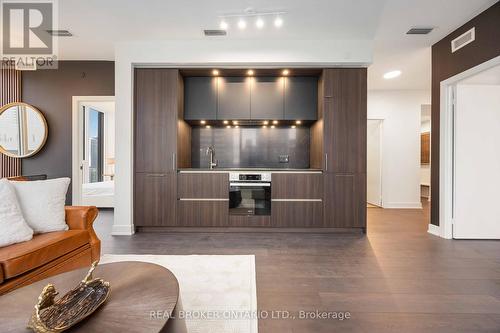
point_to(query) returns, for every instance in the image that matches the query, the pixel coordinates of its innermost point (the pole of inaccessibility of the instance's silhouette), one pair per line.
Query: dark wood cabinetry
(266, 99)
(203, 185)
(301, 98)
(201, 213)
(234, 98)
(157, 112)
(200, 98)
(297, 186)
(297, 214)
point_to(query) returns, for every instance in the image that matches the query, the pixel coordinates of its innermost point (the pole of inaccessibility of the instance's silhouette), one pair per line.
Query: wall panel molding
(10, 91)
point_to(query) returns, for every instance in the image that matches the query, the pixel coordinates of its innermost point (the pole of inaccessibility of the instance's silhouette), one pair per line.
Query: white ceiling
(97, 25)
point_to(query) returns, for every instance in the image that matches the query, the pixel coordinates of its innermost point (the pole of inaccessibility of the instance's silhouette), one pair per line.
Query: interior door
(374, 162)
(477, 162)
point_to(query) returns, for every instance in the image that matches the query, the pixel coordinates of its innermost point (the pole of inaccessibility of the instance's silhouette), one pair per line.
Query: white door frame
(77, 134)
(381, 146)
(447, 148)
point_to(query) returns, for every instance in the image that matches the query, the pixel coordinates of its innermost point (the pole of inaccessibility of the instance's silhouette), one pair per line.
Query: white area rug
(211, 284)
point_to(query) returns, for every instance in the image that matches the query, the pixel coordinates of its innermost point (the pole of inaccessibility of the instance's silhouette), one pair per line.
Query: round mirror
(23, 130)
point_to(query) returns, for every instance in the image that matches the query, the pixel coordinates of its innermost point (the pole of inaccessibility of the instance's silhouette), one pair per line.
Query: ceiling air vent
(463, 40)
(419, 31)
(60, 33)
(212, 33)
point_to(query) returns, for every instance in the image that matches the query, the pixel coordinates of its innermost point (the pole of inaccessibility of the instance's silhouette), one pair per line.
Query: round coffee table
(142, 298)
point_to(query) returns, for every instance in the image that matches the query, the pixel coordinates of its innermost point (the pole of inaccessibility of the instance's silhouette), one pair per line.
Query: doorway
(374, 163)
(93, 151)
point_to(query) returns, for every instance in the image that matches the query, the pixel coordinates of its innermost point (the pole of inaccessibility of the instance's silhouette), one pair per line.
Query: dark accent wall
(446, 64)
(251, 147)
(51, 91)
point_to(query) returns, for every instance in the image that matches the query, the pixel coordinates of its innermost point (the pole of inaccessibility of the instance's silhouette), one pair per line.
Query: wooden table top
(137, 289)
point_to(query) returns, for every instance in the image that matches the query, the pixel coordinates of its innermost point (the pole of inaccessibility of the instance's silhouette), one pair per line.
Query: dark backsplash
(251, 147)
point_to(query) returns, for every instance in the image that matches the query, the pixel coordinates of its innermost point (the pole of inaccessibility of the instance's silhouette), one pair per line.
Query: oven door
(250, 198)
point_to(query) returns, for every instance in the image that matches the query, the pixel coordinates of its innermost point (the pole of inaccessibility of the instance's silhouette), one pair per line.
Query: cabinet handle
(155, 175)
(326, 161)
(173, 162)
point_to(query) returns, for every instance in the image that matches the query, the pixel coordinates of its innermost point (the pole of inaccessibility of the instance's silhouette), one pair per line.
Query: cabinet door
(301, 98)
(267, 99)
(297, 186)
(203, 185)
(344, 200)
(154, 199)
(345, 114)
(156, 110)
(233, 98)
(202, 213)
(200, 98)
(297, 214)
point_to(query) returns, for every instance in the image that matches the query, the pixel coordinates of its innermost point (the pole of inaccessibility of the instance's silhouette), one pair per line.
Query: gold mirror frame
(8, 106)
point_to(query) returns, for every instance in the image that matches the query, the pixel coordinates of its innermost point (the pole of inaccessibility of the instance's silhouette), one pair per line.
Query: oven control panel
(250, 177)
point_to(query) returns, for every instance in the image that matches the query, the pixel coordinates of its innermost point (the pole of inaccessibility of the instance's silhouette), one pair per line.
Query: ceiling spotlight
(259, 23)
(235, 122)
(226, 122)
(298, 122)
(278, 22)
(265, 122)
(242, 24)
(203, 122)
(250, 72)
(286, 72)
(275, 122)
(392, 75)
(215, 72)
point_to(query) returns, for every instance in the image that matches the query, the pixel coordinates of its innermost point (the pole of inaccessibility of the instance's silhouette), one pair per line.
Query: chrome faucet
(213, 162)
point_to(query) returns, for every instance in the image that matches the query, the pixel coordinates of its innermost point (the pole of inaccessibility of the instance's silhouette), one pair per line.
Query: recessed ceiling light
(259, 23)
(286, 72)
(298, 122)
(215, 72)
(275, 122)
(242, 24)
(278, 22)
(250, 72)
(392, 75)
(223, 25)
(235, 122)
(203, 122)
(265, 122)
(226, 122)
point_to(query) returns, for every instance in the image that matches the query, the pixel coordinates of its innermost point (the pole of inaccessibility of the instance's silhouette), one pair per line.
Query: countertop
(224, 170)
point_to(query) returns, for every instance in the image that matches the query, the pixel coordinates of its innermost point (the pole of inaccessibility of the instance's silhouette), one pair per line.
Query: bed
(100, 194)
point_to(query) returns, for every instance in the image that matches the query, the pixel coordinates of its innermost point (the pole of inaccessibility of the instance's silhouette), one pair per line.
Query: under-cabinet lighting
(215, 72)
(286, 72)
(208, 126)
(293, 126)
(275, 122)
(236, 126)
(265, 122)
(250, 72)
(228, 126)
(265, 126)
(298, 122)
(226, 122)
(203, 122)
(273, 126)
(235, 122)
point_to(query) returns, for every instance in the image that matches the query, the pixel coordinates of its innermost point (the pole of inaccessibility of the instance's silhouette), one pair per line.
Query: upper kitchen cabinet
(267, 98)
(200, 98)
(234, 98)
(344, 120)
(301, 98)
(157, 95)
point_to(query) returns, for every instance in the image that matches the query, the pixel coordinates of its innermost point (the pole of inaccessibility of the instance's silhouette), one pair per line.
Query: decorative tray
(54, 316)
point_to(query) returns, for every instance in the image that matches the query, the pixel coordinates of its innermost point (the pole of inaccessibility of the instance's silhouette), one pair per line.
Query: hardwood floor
(397, 278)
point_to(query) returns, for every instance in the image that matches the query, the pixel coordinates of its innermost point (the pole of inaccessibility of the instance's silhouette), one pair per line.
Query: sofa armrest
(82, 218)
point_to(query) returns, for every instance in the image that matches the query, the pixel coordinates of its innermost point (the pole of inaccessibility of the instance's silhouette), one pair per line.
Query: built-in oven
(250, 193)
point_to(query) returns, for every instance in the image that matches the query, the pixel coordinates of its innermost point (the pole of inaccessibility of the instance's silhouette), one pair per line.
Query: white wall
(400, 110)
(207, 53)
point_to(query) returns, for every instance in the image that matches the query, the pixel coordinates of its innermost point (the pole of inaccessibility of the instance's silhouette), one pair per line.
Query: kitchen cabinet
(297, 214)
(157, 110)
(202, 213)
(297, 185)
(200, 98)
(203, 185)
(266, 101)
(301, 98)
(154, 199)
(345, 200)
(234, 98)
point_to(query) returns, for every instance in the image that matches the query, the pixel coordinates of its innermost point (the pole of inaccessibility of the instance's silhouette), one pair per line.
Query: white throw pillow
(42, 203)
(13, 227)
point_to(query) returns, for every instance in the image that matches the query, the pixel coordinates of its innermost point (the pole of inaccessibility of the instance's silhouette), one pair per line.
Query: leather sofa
(51, 253)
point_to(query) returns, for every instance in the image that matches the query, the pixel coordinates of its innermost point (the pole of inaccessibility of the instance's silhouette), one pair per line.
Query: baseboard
(434, 230)
(122, 230)
(403, 205)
